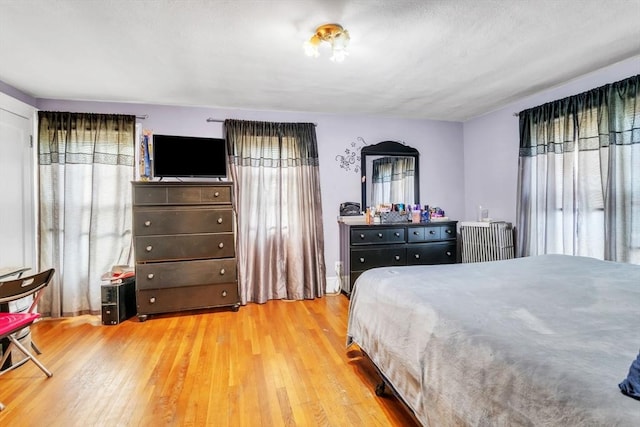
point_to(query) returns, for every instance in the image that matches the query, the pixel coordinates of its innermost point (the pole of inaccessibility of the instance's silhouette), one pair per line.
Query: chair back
(11, 290)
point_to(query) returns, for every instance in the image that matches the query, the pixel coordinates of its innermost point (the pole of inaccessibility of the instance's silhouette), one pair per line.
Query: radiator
(486, 241)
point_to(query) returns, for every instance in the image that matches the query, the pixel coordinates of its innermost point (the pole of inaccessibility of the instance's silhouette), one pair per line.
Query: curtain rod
(209, 119)
(212, 120)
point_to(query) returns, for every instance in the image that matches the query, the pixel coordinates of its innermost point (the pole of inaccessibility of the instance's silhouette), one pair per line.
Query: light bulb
(311, 46)
(339, 55)
(340, 40)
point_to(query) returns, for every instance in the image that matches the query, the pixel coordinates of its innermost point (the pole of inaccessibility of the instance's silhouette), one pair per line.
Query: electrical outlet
(338, 267)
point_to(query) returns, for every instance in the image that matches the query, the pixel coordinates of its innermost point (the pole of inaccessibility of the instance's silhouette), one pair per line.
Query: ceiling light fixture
(333, 34)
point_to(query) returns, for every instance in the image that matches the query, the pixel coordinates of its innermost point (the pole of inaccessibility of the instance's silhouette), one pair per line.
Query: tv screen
(189, 156)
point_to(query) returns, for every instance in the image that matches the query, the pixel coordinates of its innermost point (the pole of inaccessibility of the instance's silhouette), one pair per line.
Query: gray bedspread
(540, 341)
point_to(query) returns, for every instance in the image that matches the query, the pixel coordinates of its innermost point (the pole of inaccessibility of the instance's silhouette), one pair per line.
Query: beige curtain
(579, 175)
(85, 166)
(280, 245)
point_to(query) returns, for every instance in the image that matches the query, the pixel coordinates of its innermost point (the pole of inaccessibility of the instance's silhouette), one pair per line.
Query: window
(579, 175)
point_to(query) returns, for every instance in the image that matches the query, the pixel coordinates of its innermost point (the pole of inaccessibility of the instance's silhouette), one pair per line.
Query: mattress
(539, 341)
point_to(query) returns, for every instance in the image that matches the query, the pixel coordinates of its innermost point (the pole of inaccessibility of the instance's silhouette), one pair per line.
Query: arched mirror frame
(389, 148)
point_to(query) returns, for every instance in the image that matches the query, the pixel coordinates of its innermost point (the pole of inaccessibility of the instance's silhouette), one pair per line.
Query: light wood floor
(276, 364)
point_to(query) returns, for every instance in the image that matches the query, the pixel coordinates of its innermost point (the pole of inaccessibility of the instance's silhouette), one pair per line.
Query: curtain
(276, 177)
(85, 166)
(393, 180)
(579, 175)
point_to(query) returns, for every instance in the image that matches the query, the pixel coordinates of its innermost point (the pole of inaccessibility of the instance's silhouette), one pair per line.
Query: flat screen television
(189, 157)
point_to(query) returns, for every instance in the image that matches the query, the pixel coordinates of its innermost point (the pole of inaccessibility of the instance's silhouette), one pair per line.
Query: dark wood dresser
(364, 246)
(184, 241)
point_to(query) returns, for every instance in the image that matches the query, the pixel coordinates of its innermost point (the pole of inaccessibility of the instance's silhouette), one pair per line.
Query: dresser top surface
(400, 224)
(180, 183)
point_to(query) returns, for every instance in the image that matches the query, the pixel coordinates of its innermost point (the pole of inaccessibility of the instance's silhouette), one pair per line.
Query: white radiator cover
(486, 241)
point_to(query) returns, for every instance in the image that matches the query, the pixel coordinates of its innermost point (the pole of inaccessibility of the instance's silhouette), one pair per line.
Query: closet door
(17, 191)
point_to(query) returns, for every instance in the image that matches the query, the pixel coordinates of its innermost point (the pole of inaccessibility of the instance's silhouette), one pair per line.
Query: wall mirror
(390, 174)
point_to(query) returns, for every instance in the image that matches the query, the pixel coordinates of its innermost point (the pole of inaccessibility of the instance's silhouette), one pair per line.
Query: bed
(539, 341)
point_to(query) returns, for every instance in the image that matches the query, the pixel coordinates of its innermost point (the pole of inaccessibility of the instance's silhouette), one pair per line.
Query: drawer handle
(216, 194)
(362, 260)
(221, 245)
(396, 234)
(152, 300)
(150, 276)
(149, 248)
(219, 220)
(147, 223)
(415, 233)
(397, 257)
(380, 235)
(222, 271)
(362, 236)
(448, 253)
(224, 293)
(432, 232)
(417, 256)
(448, 231)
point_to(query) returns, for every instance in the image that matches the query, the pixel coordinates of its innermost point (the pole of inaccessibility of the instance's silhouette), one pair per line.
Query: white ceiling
(435, 59)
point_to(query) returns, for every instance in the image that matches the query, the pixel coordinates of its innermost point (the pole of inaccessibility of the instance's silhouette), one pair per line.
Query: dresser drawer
(158, 275)
(424, 234)
(149, 221)
(364, 259)
(199, 194)
(377, 235)
(431, 233)
(184, 246)
(431, 253)
(149, 195)
(183, 194)
(178, 299)
(448, 231)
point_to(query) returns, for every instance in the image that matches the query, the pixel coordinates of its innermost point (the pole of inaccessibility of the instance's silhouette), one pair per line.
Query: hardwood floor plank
(276, 364)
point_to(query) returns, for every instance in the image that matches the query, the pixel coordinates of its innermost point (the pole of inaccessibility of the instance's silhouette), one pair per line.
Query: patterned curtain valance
(267, 144)
(593, 119)
(85, 138)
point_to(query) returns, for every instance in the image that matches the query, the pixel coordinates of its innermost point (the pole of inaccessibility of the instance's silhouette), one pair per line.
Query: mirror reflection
(392, 180)
(390, 174)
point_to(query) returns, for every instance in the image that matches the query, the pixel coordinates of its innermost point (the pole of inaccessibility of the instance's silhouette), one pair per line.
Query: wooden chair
(12, 323)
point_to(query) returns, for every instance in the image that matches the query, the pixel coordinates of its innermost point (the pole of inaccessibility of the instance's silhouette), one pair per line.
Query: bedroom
(445, 145)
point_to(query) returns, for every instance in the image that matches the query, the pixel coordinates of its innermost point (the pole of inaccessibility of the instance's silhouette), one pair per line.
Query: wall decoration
(350, 160)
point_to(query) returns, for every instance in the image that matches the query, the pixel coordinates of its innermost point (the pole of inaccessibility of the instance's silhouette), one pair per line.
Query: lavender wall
(440, 144)
(17, 94)
(491, 144)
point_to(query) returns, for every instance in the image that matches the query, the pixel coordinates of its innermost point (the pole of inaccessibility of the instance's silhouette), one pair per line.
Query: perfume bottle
(426, 217)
